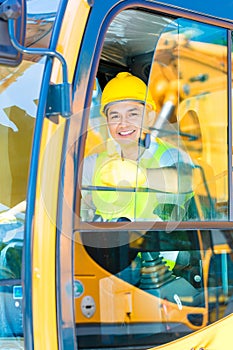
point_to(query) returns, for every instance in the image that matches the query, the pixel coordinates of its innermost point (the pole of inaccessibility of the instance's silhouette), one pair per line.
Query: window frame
(86, 69)
(160, 10)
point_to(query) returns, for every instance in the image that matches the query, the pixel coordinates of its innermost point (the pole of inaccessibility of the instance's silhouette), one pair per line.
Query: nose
(123, 120)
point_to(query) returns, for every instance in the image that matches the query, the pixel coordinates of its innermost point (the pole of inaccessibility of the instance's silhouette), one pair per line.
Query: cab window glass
(158, 151)
(150, 287)
(188, 80)
(19, 94)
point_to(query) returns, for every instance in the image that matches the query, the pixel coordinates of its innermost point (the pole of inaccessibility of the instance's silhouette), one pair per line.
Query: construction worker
(136, 173)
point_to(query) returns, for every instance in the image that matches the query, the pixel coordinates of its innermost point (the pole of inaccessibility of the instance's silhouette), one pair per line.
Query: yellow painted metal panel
(44, 243)
(214, 337)
(70, 38)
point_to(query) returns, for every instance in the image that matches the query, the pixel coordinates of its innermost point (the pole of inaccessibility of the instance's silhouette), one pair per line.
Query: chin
(127, 141)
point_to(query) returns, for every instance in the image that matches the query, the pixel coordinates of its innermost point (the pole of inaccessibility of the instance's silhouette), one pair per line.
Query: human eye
(134, 114)
(114, 116)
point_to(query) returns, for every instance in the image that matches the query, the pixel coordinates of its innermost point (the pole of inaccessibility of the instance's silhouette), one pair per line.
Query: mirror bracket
(63, 91)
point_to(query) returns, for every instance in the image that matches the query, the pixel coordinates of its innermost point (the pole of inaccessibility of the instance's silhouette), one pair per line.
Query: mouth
(126, 133)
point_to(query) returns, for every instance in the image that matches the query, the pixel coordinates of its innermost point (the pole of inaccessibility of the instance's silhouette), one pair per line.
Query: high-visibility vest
(122, 191)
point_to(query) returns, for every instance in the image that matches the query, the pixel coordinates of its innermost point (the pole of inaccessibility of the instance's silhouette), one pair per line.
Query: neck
(131, 152)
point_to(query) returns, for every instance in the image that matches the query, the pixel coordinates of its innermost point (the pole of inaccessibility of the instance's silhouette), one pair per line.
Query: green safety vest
(130, 201)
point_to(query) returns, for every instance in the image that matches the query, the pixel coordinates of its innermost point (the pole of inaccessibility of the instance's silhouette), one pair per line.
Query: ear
(151, 117)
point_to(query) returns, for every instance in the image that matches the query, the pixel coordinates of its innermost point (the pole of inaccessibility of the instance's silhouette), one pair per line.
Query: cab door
(116, 303)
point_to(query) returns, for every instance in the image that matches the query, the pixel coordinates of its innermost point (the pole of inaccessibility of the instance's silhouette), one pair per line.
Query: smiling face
(128, 120)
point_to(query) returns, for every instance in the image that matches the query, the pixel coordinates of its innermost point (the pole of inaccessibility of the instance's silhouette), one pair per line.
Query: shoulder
(168, 154)
(90, 159)
(88, 168)
(89, 162)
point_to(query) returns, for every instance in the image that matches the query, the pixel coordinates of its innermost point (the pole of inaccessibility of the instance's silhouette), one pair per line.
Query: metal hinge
(58, 100)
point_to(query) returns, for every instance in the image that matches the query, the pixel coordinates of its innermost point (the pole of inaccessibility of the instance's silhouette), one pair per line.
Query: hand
(171, 179)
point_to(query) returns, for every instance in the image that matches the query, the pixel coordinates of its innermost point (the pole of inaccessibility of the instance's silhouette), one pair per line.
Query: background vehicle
(70, 282)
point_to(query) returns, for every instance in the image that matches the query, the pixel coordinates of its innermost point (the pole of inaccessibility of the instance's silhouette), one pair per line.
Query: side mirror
(12, 10)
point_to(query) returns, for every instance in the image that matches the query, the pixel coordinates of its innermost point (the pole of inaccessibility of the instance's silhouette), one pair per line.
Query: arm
(87, 205)
(171, 179)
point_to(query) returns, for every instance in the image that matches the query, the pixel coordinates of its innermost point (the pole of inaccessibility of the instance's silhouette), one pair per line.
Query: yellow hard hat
(126, 86)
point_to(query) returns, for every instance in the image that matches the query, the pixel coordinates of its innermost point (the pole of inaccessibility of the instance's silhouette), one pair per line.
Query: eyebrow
(128, 110)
